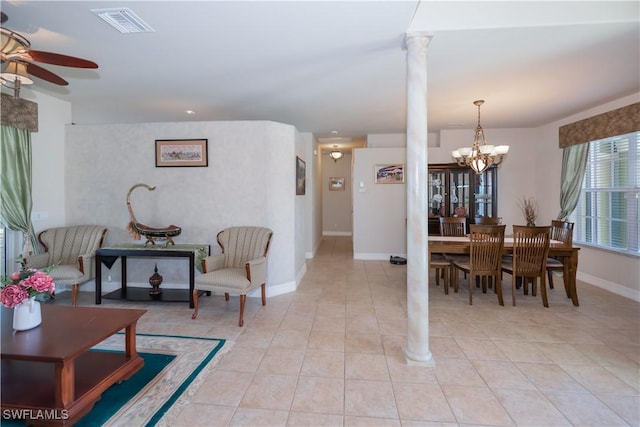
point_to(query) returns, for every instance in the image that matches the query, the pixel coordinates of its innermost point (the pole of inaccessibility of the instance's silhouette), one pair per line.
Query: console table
(109, 255)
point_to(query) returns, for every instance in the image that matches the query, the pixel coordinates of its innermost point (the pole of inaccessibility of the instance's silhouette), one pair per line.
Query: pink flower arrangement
(25, 284)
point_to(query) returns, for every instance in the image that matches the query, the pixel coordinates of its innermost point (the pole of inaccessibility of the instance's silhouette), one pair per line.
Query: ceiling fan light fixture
(16, 71)
(12, 42)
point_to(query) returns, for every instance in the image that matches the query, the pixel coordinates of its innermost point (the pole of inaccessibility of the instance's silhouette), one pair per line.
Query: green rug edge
(174, 397)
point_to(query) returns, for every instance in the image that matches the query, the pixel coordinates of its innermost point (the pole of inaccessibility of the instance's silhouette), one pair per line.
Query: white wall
(379, 210)
(336, 205)
(304, 213)
(48, 153)
(314, 199)
(83, 177)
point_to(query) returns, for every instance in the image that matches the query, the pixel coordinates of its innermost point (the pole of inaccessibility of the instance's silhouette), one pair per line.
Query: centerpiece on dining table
(529, 208)
(23, 291)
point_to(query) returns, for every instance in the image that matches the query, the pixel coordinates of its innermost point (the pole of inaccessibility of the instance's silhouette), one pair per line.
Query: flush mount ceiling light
(335, 154)
(480, 156)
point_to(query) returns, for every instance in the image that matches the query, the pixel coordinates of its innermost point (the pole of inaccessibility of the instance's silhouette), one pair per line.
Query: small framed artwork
(301, 179)
(181, 153)
(336, 183)
(389, 174)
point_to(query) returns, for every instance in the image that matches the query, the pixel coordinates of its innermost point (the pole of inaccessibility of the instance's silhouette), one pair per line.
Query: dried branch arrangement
(529, 208)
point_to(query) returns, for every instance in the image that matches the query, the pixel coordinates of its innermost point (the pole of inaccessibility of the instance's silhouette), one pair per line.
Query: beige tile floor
(330, 354)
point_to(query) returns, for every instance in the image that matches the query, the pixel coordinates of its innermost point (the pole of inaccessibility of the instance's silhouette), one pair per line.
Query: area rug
(175, 367)
(161, 398)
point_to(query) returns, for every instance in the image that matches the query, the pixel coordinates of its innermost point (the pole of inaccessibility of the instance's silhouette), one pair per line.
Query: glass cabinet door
(459, 196)
(484, 190)
(458, 191)
(437, 193)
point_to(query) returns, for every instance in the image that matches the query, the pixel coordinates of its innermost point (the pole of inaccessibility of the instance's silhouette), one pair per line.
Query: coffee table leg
(65, 380)
(130, 341)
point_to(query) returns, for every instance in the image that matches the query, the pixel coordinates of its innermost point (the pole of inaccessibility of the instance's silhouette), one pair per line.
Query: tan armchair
(240, 268)
(71, 251)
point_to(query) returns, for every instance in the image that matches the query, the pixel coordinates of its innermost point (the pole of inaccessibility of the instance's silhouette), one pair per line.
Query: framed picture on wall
(181, 153)
(389, 174)
(301, 180)
(336, 183)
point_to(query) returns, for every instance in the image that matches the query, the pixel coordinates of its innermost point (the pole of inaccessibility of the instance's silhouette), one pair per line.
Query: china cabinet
(458, 191)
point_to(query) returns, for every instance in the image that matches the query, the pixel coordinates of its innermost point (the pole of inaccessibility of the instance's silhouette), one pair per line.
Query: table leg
(130, 341)
(65, 383)
(573, 271)
(98, 279)
(123, 280)
(192, 278)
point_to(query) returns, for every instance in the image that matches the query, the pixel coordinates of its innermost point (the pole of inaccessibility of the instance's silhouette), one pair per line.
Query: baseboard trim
(374, 256)
(633, 294)
(337, 233)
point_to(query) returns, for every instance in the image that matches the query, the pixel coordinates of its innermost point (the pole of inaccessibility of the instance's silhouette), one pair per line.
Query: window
(607, 212)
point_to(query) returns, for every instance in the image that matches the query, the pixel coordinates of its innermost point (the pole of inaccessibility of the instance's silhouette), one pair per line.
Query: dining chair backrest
(530, 250)
(562, 231)
(488, 220)
(453, 226)
(487, 243)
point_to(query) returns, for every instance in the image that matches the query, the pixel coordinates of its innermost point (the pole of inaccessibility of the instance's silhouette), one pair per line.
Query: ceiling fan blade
(58, 59)
(44, 74)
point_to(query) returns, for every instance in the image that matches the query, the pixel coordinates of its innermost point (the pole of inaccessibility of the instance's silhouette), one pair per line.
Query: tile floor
(330, 354)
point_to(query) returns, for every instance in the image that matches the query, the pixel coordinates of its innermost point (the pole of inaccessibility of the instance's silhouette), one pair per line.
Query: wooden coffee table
(49, 376)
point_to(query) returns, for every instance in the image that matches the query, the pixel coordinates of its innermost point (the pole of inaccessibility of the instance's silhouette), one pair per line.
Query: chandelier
(481, 156)
(335, 154)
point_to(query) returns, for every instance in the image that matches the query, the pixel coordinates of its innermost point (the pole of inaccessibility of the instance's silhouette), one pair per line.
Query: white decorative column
(417, 349)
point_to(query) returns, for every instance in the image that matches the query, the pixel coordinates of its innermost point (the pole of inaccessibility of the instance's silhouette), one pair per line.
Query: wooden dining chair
(453, 226)
(485, 258)
(488, 220)
(529, 260)
(563, 232)
(442, 263)
(443, 270)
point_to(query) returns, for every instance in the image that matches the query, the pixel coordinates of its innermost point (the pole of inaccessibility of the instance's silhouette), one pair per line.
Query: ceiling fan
(16, 52)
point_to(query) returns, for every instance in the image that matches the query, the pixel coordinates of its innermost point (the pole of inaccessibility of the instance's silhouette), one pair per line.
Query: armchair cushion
(235, 280)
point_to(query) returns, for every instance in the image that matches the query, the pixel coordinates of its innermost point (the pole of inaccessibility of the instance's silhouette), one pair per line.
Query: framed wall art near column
(301, 179)
(389, 174)
(181, 153)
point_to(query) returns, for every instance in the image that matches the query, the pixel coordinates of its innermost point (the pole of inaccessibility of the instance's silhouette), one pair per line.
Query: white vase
(27, 315)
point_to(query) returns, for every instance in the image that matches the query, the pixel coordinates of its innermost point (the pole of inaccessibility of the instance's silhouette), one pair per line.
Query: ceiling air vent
(124, 20)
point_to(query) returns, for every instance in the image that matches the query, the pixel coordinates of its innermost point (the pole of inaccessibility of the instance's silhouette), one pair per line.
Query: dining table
(566, 252)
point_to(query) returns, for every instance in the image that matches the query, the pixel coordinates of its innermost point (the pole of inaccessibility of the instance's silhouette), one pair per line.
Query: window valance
(617, 122)
(19, 113)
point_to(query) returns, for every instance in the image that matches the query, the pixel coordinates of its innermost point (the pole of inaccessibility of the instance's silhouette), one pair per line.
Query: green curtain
(15, 185)
(574, 162)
